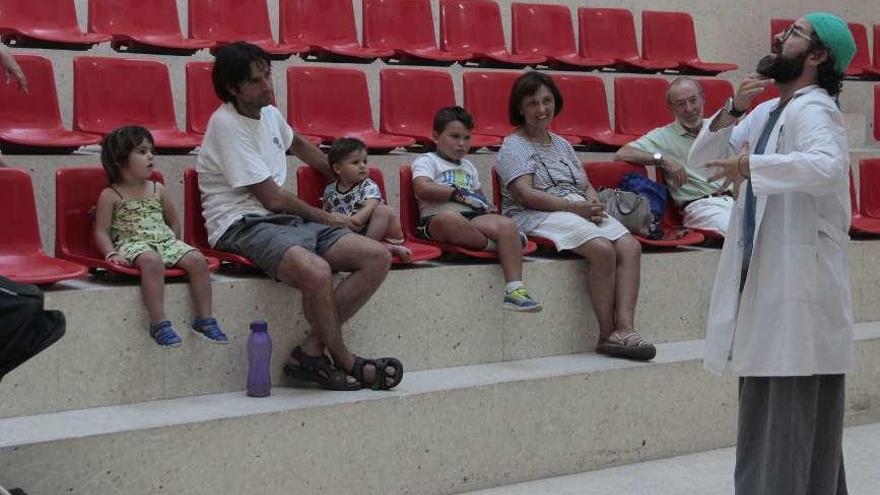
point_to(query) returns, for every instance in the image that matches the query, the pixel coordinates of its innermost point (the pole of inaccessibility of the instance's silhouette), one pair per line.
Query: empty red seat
(611, 34)
(201, 100)
(327, 28)
(22, 258)
(32, 121)
(585, 113)
(869, 187)
(228, 21)
(778, 26)
(134, 28)
(640, 105)
(715, 94)
(44, 23)
(875, 69)
(546, 30)
(860, 224)
(475, 26)
(877, 112)
(669, 37)
(411, 97)
(604, 175)
(407, 27)
(111, 92)
(310, 186)
(76, 194)
(331, 103)
(860, 66)
(409, 220)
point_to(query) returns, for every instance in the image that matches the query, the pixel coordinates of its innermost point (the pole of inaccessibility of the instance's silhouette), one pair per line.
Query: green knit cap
(834, 32)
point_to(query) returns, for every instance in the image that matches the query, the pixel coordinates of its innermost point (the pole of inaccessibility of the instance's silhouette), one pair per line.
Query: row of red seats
(323, 103)
(860, 67)
(401, 30)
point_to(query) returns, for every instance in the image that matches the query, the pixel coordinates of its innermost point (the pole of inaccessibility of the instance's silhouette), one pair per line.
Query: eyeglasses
(793, 29)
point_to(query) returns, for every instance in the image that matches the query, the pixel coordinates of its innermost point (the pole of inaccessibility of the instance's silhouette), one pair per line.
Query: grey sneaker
(520, 300)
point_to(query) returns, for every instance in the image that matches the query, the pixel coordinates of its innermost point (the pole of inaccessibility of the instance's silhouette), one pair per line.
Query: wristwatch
(658, 159)
(731, 110)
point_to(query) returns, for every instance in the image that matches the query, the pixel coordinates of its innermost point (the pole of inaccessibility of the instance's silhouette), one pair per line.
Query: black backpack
(25, 327)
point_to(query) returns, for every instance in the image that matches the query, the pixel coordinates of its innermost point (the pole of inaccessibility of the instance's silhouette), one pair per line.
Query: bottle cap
(259, 326)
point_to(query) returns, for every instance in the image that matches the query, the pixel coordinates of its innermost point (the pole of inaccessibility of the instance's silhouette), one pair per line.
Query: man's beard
(782, 69)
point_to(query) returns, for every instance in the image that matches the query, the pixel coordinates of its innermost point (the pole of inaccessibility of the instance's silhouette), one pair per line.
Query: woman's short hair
(526, 85)
(232, 66)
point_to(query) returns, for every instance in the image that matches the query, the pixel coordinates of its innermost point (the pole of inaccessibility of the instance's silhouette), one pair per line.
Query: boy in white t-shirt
(453, 209)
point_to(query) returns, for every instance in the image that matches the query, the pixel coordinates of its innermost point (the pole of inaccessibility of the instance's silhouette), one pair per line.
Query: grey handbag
(631, 209)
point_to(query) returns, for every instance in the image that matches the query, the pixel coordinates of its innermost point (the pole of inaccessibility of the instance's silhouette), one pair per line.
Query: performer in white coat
(781, 312)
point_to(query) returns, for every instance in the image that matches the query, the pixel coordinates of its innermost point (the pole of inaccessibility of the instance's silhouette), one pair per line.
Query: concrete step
(442, 431)
(705, 473)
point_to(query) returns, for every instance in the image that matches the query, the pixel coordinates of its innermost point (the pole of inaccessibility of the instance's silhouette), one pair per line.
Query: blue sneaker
(520, 300)
(164, 335)
(208, 329)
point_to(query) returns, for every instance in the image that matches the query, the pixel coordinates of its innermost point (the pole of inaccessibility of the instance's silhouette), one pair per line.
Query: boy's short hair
(118, 144)
(444, 116)
(341, 148)
(232, 66)
(527, 85)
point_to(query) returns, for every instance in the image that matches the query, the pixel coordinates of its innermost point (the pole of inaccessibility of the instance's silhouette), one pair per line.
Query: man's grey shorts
(264, 239)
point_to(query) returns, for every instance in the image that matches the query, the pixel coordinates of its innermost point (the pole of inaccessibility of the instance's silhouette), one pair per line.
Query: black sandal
(319, 369)
(380, 377)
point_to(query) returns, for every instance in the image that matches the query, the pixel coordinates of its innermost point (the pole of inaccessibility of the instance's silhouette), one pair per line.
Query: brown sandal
(319, 369)
(381, 377)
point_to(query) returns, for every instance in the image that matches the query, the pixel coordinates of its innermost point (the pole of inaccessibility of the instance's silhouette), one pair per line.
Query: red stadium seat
(407, 27)
(76, 194)
(111, 92)
(585, 113)
(327, 28)
(409, 100)
(547, 30)
(860, 224)
(475, 26)
(194, 232)
(611, 34)
(409, 220)
(137, 29)
(861, 62)
(31, 122)
(640, 105)
(540, 242)
(715, 94)
(877, 112)
(22, 258)
(875, 69)
(44, 24)
(778, 26)
(201, 100)
(604, 175)
(669, 37)
(332, 103)
(310, 186)
(769, 93)
(228, 21)
(869, 187)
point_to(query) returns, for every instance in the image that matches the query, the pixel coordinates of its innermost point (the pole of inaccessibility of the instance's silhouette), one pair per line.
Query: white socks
(512, 286)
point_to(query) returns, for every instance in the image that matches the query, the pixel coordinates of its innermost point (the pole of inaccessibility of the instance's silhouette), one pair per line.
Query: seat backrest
(328, 101)
(411, 97)
(486, 96)
(853, 203)
(869, 187)
(409, 208)
(110, 92)
(201, 100)
(310, 184)
(471, 26)
(715, 94)
(194, 232)
(777, 26)
(862, 59)
(876, 51)
(877, 106)
(19, 230)
(126, 17)
(316, 22)
(609, 174)
(607, 33)
(38, 108)
(44, 14)
(544, 29)
(585, 106)
(229, 20)
(398, 24)
(668, 36)
(769, 93)
(640, 104)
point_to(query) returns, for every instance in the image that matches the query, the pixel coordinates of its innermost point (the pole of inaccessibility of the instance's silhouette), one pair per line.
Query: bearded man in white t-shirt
(242, 168)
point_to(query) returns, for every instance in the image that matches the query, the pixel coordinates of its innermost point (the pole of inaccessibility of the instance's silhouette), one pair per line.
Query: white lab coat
(794, 316)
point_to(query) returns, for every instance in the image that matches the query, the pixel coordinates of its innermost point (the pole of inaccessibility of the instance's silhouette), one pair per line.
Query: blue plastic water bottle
(259, 381)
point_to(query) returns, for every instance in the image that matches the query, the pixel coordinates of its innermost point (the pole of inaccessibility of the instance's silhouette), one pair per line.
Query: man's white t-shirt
(447, 173)
(238, 152)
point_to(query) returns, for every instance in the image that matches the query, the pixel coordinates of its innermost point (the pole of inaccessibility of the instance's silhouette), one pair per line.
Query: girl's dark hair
(232, 66)
(447, 115)
(526, 85)
(341, 148)
(118, 144)
(826, 77)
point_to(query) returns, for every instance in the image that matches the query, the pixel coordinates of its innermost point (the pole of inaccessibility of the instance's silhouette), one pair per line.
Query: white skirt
(569, 230)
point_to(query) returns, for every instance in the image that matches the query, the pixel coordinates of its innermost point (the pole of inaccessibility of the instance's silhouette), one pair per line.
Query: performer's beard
(780, 68)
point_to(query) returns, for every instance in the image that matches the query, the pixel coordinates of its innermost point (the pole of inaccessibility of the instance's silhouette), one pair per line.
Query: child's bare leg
(503, 231)
(381, 229)
(452, 227)
(378, 223)
(196, 266)
(152, 284)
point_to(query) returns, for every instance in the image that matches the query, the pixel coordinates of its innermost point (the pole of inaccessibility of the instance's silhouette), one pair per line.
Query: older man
(701, 204)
